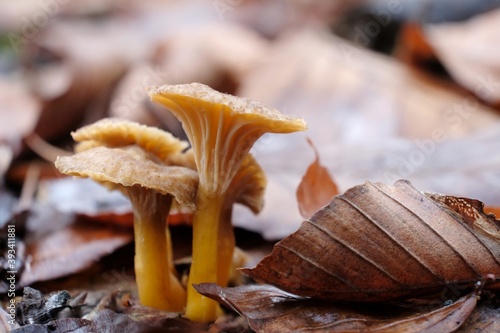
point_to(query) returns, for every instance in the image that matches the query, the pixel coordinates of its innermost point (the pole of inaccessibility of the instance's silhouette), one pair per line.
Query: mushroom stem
(156, 283)
(205, 256)
(226, 244)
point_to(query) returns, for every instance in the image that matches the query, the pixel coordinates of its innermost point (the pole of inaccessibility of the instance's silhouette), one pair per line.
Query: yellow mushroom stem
(205, 256)
(157, 285)
(225, 246)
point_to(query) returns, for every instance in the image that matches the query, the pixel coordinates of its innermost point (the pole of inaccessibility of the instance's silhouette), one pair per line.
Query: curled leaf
(269, 309)
(378, 242)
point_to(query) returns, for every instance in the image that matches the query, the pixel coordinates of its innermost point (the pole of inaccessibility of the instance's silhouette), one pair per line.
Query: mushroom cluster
(153, 168)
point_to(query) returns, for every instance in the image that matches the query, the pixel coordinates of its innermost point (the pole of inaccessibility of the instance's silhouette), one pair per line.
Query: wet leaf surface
(269, 309)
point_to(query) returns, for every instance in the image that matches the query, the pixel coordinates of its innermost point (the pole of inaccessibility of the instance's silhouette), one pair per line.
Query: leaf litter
(369, 117)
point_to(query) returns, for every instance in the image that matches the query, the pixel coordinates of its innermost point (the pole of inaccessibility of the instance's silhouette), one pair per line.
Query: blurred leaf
(316, 188)
(70, 249)
(470, 52)
(19, 113)
(407, 242)
(269, 309)
(86, 197)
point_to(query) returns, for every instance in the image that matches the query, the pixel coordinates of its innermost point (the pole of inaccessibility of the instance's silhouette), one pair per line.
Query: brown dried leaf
(406, 242)
(316, 188)
(70, 250)
(269, 309)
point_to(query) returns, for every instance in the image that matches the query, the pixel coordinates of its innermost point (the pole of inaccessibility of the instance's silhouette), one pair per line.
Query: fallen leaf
(316, 188)
(70, 249)
(469, 51)
(79, 73)
(269, 309)
(19, 113)
(407, 243)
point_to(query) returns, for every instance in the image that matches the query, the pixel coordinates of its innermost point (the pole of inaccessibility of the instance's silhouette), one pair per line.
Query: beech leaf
(316, 188)
(269, 309)
(378, 242)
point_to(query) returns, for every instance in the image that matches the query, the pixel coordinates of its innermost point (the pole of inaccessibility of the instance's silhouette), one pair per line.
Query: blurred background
(390, 88)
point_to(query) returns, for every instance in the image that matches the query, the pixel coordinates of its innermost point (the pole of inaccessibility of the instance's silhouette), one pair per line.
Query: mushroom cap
(221, 128)
(202, 96)
(131, 166)
(115, 132)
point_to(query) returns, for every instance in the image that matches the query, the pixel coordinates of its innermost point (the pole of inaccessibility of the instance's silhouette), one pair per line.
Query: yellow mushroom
(150, 185)
(222, 129)
(116, 132)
